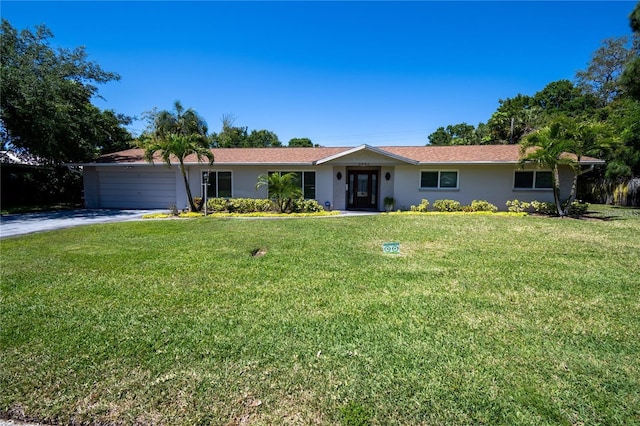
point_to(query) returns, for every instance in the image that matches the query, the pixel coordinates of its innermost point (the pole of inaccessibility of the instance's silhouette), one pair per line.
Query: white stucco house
(347, 178)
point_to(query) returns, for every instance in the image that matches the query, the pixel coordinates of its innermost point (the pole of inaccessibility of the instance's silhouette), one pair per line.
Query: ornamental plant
(447, 206)
(422, 207)
(516, 206)
(482, 206)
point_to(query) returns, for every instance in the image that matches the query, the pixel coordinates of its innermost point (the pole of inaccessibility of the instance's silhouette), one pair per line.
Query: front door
(362, 190)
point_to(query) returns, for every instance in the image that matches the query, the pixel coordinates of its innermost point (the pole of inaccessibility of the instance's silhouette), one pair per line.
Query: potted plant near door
(388, 203)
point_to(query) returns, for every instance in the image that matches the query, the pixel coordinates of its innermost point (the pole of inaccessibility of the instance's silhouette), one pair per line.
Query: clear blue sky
(339, 73)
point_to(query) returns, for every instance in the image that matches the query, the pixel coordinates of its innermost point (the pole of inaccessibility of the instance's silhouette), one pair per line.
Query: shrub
(305, 206)
(482, 206)
(198, 201)
(577, 208)
(422, 207)
(258, 205)
(447, 206)
(249, 205)
(516, 206)
(216, 205)
(544, 207)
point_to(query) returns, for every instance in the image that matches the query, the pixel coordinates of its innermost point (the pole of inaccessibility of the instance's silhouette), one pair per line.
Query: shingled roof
(455, 154)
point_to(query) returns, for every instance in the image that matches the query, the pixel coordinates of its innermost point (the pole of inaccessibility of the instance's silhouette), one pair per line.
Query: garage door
(137, 189)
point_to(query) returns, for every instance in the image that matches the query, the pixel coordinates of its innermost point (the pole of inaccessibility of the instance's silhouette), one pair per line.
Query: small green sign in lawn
(392, 248)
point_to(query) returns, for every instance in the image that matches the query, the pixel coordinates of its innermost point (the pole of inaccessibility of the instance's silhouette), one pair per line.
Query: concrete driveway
(27, 223)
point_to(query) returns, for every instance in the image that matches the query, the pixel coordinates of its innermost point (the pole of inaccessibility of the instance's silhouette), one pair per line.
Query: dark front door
(362, 189)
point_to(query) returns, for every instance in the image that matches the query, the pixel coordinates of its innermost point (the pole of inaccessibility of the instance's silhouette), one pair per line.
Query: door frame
(371, 201)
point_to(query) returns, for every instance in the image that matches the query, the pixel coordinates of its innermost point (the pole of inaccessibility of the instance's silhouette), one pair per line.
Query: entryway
(362, 190)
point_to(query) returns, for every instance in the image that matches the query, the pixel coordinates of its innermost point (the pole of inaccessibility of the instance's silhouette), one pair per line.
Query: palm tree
(548, 148)
(179, 122)
(175, 135)
(179, 146)
(282, 188)
(589, 139)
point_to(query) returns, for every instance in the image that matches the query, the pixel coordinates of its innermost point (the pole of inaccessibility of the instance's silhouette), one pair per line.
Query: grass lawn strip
(480, 319)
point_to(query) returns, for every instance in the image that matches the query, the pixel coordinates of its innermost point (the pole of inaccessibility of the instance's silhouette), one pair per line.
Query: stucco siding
(493, 183)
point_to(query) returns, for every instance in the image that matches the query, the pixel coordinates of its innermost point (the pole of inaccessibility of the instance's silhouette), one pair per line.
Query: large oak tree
(46, 105)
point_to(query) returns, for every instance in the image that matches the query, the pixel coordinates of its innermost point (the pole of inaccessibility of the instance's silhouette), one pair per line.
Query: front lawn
(479, 320)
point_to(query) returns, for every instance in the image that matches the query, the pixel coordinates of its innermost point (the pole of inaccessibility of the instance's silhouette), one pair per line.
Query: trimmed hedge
(258, 205)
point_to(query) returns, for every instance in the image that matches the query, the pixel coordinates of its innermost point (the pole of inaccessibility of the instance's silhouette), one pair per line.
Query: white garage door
(137, 189)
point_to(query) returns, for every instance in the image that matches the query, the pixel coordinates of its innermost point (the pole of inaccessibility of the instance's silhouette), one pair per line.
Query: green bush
(516, 206)
(258, 205)
(216, 205)
(305, 206)
(578, 208)
(543, 207)
(482, 206)
(447, 206)
(423, 207)
(249, 205)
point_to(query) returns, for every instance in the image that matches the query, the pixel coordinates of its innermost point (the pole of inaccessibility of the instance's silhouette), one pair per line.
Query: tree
(179, 121)
(282, 188)
(45, 107)
(263, 139)
(459, 134)
(112, 137)
(179, 146)
(300, 142)
(514, 119)
(562, 97)
(230, 136)
(440, 137)
(623, 157)
(178, 134)
(631, 76)
(547, 148)
(239, 137)
(602, 76)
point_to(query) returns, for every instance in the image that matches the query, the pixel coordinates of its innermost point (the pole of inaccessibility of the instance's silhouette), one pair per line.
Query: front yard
(479, 320)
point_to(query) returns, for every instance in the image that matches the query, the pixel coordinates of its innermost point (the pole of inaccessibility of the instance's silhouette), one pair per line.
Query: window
(533, 179)
(438, 179)
(218, 184)
(306, 181)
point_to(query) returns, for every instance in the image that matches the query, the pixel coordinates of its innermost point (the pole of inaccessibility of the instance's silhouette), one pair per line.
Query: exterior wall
(244, 179)
(91, 189)
(339, 188)
(493, 183)
(387, 186)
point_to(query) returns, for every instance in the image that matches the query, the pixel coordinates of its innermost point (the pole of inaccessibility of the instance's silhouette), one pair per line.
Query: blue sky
(339, 73)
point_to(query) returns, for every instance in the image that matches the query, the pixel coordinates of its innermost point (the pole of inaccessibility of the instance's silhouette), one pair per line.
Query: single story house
(348, 178)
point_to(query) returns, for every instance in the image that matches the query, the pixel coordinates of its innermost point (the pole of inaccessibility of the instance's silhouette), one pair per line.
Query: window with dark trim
(533, 179)
(438, 179)
(305, 180)
(218, 184)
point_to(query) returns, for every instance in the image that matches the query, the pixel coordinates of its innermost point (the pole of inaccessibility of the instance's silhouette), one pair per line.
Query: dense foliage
(46, 108)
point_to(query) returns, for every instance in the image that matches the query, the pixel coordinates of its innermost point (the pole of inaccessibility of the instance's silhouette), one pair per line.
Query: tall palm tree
(175, 135)
(548, 148)
(588, 139)
(179, 121)
(179, 146)
(282, 188)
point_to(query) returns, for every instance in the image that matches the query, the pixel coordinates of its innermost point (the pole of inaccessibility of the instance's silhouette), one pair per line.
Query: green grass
(480, 320)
